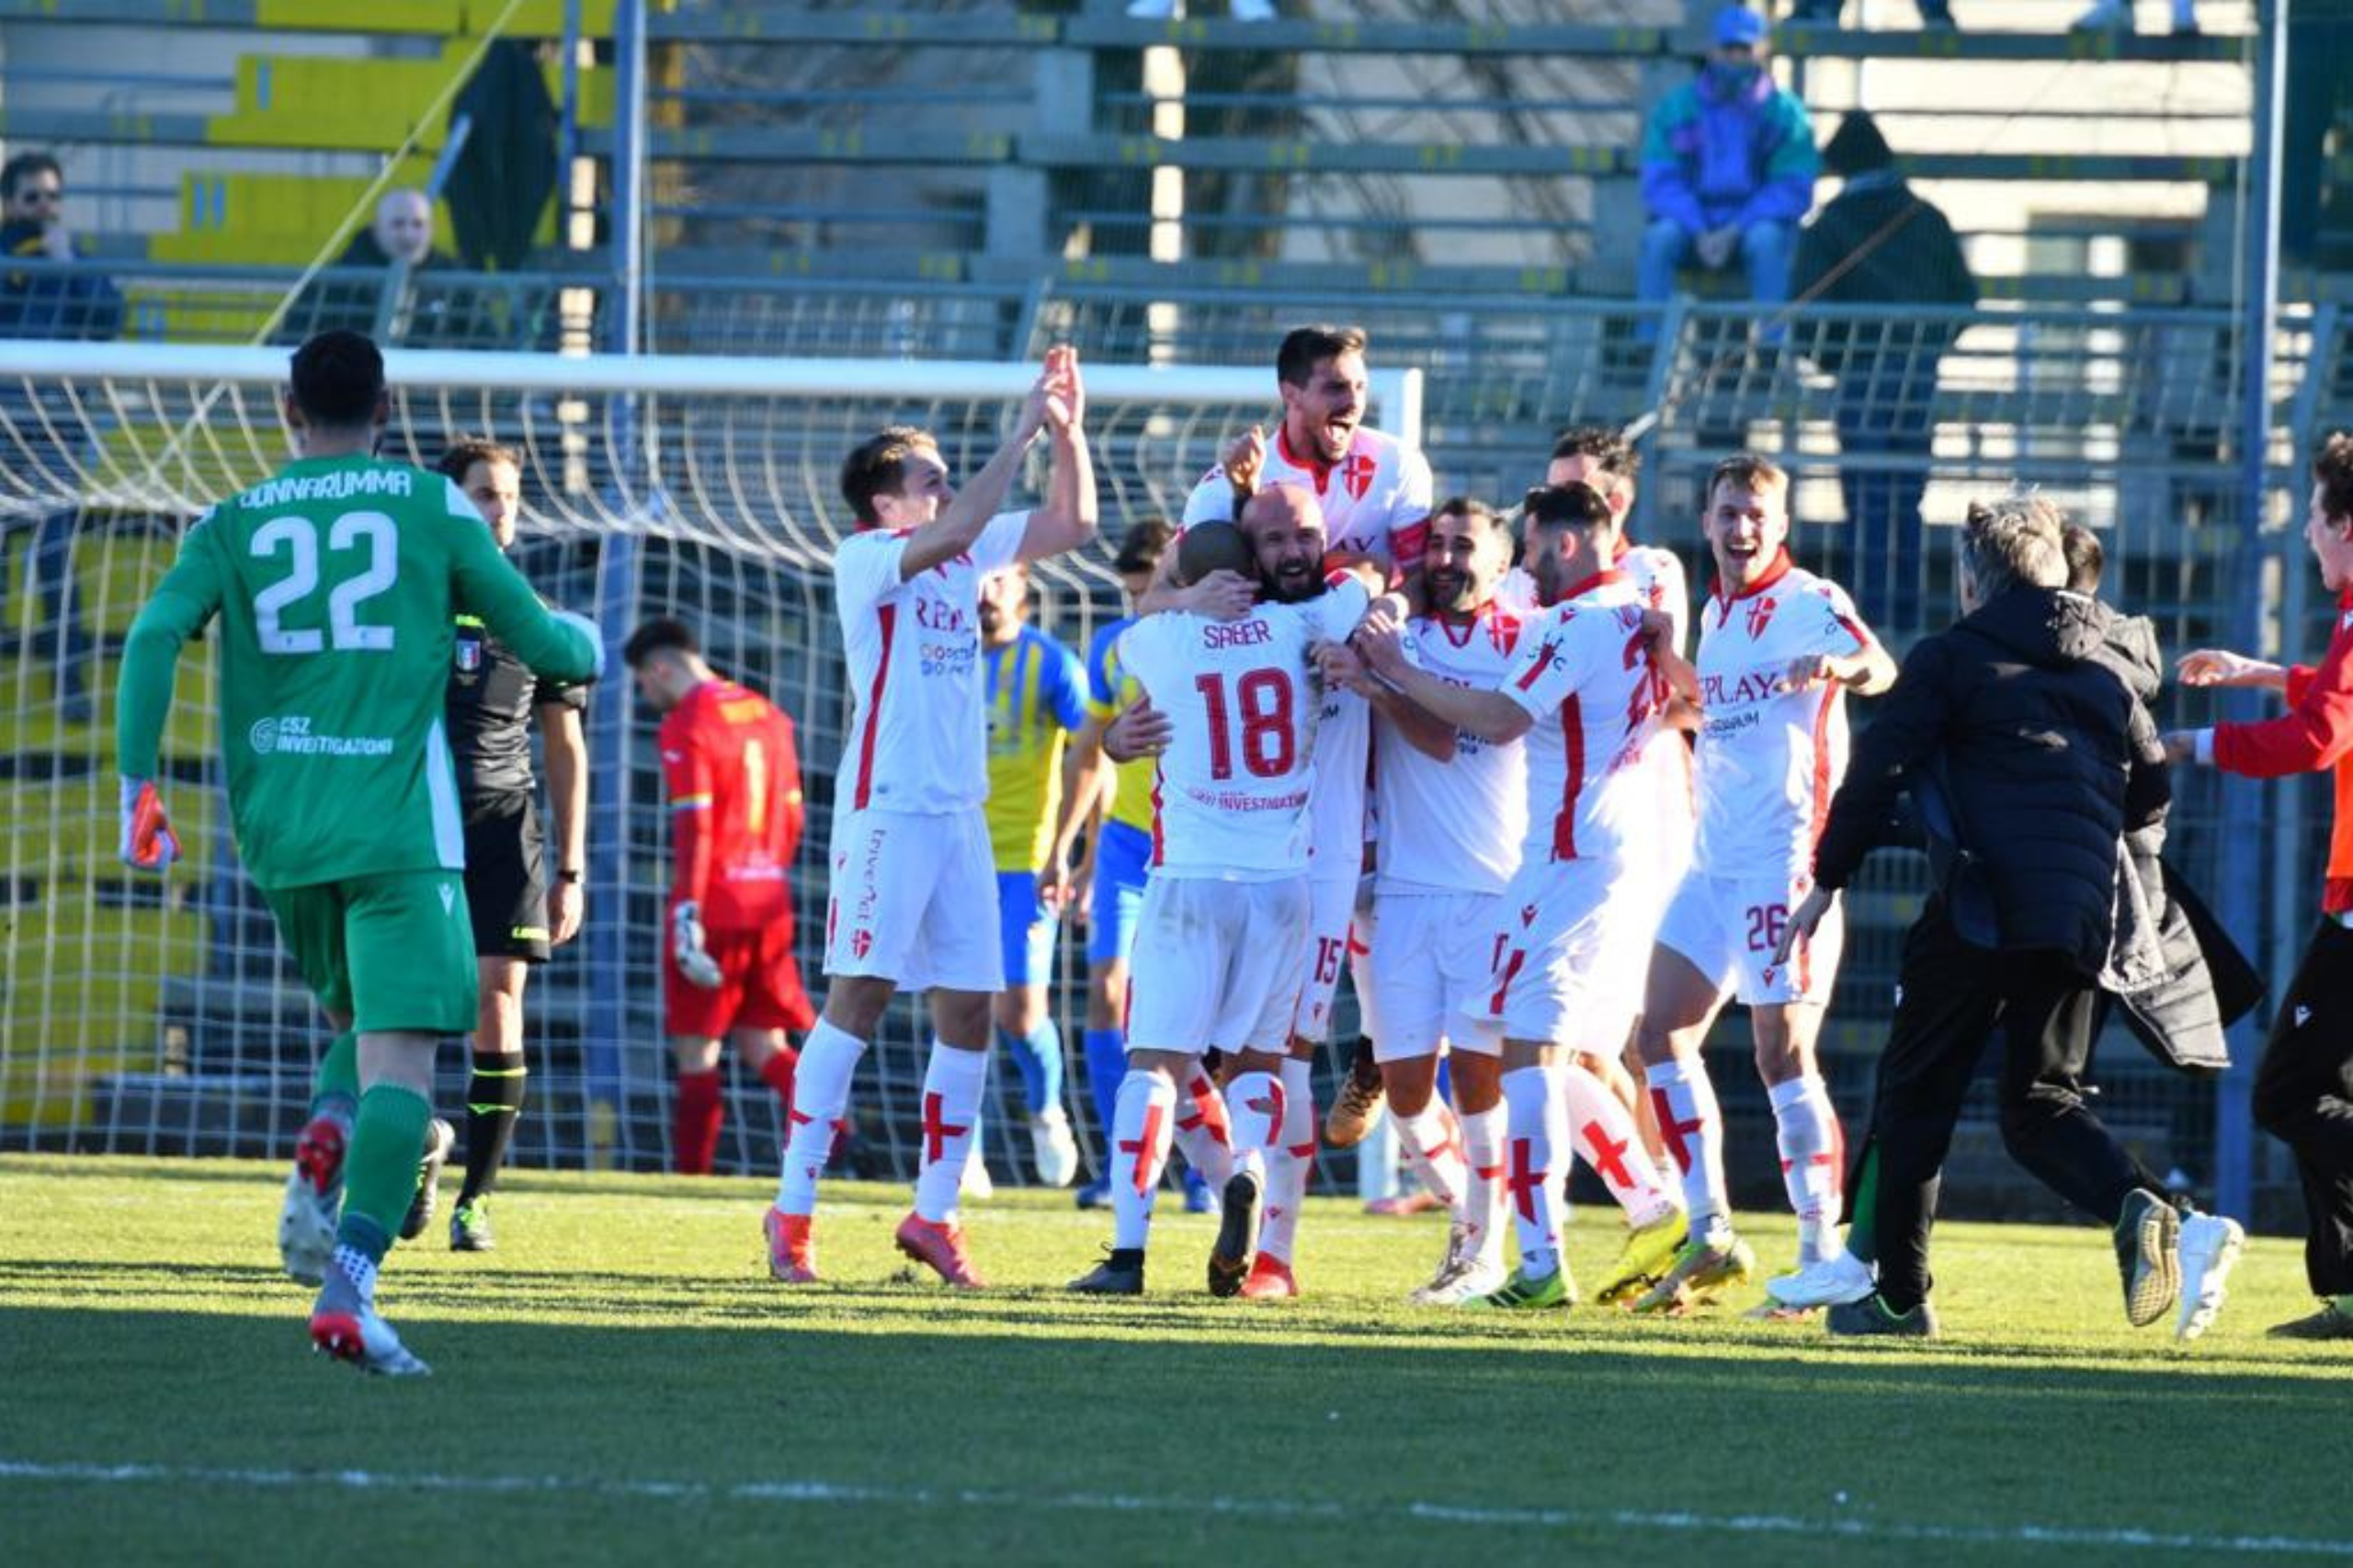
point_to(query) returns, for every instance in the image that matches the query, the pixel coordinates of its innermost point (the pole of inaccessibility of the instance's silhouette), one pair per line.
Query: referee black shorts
(507, 881)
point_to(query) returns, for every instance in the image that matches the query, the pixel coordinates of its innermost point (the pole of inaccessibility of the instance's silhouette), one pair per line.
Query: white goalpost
(161, 1017)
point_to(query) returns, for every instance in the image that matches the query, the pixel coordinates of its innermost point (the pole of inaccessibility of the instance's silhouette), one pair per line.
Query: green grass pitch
(621, 1382)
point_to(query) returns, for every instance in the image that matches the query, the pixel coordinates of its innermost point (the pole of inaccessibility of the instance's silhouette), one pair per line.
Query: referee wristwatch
(569, 874)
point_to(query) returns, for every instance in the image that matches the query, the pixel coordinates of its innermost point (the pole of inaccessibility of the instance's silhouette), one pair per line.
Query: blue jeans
(1765, 254)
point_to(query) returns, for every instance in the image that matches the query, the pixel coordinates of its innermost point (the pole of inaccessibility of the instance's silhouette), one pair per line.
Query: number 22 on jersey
(297, 539)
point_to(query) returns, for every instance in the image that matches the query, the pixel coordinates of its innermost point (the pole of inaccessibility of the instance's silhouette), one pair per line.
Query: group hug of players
(1582, 842)
(1582, 845)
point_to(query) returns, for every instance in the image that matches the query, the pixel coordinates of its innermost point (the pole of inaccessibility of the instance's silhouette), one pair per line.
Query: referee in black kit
(524, 906)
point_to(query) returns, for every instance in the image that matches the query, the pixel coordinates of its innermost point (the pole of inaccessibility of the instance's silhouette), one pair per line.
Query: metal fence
(1889, 420)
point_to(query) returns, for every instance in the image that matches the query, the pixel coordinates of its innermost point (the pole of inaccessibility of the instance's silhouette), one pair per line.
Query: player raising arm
(914, 886)
(336, 582)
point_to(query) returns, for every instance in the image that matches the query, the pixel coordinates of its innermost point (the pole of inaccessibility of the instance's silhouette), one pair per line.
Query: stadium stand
(971, 181)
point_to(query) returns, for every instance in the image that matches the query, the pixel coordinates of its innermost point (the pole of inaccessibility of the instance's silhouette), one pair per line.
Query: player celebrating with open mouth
(1779, 648)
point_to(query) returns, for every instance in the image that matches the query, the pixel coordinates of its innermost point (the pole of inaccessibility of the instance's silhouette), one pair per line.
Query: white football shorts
(1216, 964)
(914, 901)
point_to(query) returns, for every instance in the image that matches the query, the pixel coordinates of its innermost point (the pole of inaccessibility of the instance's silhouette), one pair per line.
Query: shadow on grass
(1114, 1401)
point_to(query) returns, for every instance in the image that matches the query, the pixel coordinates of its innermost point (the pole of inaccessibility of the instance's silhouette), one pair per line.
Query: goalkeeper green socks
(1862, 1241)
(335, 1090)
(379, 1173)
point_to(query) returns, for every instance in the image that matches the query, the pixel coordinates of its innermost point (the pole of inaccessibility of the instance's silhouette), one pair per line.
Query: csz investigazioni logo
(290, 735)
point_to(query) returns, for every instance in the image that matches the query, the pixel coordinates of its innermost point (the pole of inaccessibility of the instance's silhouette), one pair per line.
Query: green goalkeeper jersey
(336, 582)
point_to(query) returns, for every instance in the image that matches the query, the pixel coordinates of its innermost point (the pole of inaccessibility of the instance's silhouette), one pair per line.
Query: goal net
(161, 1015)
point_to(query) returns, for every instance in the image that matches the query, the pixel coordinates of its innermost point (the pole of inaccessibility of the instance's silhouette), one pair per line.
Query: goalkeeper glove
(147, 842)
(686, 947)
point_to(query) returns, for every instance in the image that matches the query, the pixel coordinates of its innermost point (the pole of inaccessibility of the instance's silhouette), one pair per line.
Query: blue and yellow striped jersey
(1110, 689)
(1034, 704)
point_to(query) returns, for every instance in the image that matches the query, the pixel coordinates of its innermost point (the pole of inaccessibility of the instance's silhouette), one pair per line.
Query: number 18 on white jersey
(1241, 698)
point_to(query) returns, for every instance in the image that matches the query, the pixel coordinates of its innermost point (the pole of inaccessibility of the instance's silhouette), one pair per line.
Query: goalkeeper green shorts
(391, 951)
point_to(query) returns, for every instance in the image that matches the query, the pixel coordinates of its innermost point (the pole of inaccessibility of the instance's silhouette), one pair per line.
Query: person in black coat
(1878, 242)
(393, 252)
(2031, 741)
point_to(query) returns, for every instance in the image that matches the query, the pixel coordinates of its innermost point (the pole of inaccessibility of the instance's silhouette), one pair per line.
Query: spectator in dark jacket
(1878, 244)
(390, 253)
(1728, 170)
(59, 295)
(2045, 759)
(47, 291)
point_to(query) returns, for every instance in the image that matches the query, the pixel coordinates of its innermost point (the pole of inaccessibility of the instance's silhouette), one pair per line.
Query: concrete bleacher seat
(428, 18)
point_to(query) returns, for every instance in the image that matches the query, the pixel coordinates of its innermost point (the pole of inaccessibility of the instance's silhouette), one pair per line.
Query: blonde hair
(2015, 539)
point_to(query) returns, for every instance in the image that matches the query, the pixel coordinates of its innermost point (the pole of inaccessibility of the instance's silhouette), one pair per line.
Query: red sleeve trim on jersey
(1564, 827)
(1408, 546)
(1159, 845)
(1820, 767)
(889, 616)
(1538, 666)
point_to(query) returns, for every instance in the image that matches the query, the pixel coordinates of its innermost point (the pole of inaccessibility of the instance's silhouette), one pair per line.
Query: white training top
(1584, 676)
(1657, 575)
(918, 729)
(1456, 826)
(1769, 759)
(1230, 800)
(1376, 503)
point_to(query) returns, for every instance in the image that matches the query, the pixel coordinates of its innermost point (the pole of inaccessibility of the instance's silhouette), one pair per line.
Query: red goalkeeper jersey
(735, 785)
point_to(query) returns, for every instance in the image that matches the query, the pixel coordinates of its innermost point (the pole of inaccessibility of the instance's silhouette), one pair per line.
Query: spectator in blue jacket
(1728, 169)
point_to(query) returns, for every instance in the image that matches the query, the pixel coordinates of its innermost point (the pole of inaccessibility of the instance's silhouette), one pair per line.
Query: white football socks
(1253, 1102)
(1612, 1144)
(1205, 1131)
(1684, 1099)
(1291, 1164)
(1483, 1149)
(1536, 1116)
(1141, 1125)
(952, 1104)
(1806, 1124)
(1433, 1144)
(820, 1095)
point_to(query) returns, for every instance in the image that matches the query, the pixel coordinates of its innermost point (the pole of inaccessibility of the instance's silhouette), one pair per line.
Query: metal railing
(2124, 416)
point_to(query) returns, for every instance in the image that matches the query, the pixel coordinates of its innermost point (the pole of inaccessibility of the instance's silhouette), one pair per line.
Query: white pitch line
(1276, 1508)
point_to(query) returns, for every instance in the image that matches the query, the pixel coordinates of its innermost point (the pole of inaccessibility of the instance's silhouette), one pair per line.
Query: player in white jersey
(1373, 494)
(1603, 457)
(1227, 899)
(911, 871)
(1453, 808)
(1586, 688)
(1779, 648)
